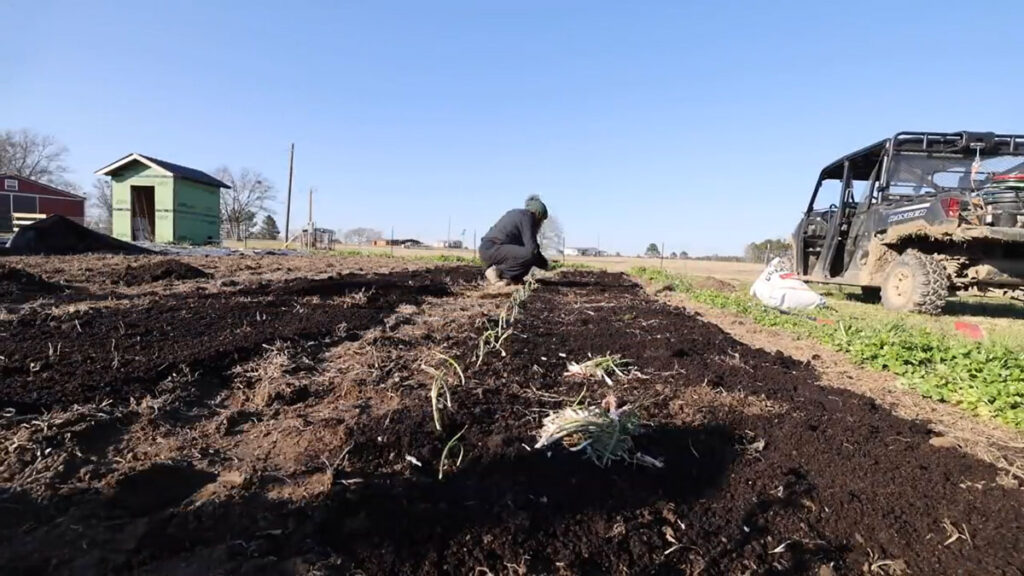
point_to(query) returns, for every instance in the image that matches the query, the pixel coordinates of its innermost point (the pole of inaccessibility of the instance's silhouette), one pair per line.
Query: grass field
(733, 271)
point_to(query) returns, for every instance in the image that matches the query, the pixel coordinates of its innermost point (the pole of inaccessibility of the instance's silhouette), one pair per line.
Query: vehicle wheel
(871, 294)
(915, 282)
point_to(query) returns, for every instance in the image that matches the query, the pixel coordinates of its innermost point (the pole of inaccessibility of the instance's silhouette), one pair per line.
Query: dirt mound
(710, 283)
(160, 270)
(60, 235)
(19, 285)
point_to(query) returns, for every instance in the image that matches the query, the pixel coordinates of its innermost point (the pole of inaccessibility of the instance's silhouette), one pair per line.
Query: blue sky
(698, 124)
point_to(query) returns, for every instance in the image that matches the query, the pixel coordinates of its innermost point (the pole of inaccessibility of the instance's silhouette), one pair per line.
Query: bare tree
(36, 156)
(360, 236)
(248, 196)
(100, 211)
(551, 237)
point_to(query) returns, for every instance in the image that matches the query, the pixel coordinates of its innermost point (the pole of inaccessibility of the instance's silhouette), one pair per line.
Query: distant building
(158, 201)
(405, 242)
(23, 201)
(584, 252)
(449, 244)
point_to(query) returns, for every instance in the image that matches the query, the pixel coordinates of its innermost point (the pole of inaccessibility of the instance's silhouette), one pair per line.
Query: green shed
(158, 201)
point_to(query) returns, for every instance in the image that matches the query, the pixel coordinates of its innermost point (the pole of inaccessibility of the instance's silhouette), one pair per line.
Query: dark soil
(709, 283)
(53, 362)
(160, 270)
(840, 485)
(17, 285)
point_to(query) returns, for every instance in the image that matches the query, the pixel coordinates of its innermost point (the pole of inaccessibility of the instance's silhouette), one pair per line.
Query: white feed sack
(779, 288)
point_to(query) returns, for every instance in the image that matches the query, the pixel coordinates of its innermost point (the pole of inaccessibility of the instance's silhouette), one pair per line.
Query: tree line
(245, 207)
(767, 249)
(753, 252)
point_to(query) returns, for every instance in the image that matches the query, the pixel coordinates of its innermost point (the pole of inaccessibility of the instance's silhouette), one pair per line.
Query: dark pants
(514, 262)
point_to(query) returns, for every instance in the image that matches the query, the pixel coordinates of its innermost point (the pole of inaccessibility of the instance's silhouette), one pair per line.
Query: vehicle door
(829, 265)
(809, 236)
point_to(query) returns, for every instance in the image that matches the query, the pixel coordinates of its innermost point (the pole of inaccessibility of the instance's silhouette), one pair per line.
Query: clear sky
(698, 124)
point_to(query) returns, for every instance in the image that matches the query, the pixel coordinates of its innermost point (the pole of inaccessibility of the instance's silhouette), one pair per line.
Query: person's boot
(494, 277)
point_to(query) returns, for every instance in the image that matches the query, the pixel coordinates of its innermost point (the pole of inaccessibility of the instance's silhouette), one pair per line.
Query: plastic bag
(779, 288)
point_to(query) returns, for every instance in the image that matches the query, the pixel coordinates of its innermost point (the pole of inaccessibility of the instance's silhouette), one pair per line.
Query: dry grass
(35, 447)
(955, 533)
(268, 377)
(357, 298)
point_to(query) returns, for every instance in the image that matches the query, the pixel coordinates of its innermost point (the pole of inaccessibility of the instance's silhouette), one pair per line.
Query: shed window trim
(10, 184)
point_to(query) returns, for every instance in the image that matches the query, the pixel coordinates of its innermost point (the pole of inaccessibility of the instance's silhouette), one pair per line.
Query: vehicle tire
(915, 282)
(871, 294)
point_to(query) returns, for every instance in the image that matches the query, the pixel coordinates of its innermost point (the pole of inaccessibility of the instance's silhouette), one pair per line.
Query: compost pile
(389, 424)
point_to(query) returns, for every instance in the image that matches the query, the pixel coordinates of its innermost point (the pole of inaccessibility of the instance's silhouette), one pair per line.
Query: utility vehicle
(916, 217)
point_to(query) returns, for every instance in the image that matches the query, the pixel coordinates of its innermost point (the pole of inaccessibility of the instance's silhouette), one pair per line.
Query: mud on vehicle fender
(916, 282)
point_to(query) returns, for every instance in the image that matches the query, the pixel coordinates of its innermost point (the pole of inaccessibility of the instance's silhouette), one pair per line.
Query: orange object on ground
(972, 331)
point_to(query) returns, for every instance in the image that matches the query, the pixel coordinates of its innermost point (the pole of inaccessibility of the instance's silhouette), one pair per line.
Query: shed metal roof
(170, 168)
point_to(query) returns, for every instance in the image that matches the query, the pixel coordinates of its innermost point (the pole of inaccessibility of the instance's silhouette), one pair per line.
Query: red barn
(23, 200)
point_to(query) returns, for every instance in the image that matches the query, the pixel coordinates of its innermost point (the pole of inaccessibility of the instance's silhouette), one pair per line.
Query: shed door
(143, 213)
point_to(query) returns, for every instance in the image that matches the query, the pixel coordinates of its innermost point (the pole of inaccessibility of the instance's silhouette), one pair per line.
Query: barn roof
(56, 191)
(170, 168)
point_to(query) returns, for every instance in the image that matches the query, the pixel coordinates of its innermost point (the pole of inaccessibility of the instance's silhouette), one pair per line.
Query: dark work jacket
(517, 227)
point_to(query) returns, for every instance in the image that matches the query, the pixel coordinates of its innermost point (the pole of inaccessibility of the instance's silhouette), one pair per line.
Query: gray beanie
(533, 204)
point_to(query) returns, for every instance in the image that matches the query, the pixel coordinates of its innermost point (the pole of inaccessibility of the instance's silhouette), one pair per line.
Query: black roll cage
(863, 164)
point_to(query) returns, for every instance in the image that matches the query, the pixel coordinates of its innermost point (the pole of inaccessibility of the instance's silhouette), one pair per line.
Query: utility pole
(288, 205)
(309, 226)
(311, 204)
(448, 242)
